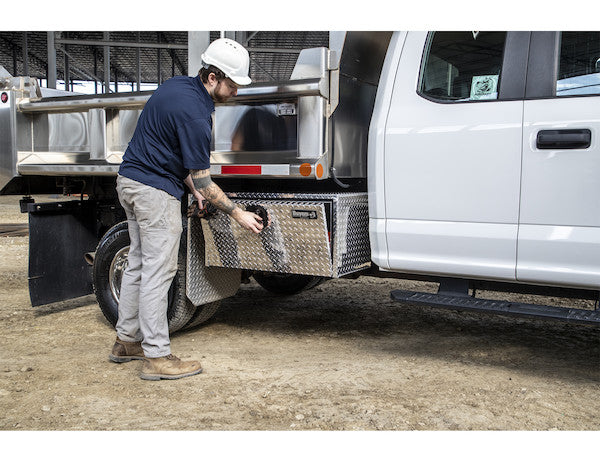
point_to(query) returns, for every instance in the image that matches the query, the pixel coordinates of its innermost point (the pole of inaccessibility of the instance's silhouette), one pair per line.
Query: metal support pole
(106, 37)
(95, 71)
(67, 73)
(249, 37)
(274, 50)
(240, 36)
(197, 44)
(51, 72)
(83, 72)
(170, 46)
(172, 53)
(14, 56)
(25, 55)
(158, 80)
(116, 80)
(138, 68)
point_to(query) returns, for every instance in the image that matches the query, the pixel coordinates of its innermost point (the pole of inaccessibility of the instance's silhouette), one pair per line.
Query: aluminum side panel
(204, 284)
(7, 141)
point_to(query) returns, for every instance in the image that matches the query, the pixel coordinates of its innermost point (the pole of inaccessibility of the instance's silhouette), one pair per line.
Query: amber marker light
(319, 171)
(305, 169)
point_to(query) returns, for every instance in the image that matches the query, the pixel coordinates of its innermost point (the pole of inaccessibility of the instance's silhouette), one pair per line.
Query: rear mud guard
(60, 234)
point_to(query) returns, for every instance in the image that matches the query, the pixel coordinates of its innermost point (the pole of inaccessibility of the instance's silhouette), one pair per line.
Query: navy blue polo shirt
(172, 136)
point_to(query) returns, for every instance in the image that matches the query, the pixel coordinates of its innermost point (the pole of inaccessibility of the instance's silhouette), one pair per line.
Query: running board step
(462, 302)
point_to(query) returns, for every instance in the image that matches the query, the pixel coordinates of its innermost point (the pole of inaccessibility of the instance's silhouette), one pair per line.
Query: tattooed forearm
(201, 182)
(211, 191)
(217, 197)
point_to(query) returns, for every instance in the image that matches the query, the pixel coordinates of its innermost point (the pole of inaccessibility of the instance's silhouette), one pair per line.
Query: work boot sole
(146, 376)
(123, 359)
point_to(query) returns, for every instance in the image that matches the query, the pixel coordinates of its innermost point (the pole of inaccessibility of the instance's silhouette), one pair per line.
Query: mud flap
(60, 233)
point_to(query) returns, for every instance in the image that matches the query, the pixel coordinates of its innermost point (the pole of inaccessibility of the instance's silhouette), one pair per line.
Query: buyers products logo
(306, 214)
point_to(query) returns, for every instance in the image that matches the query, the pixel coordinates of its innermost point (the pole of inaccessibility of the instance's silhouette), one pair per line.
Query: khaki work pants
(154, 220)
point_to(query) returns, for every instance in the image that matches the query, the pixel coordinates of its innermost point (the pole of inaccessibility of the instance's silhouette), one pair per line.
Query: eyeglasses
(231, 84)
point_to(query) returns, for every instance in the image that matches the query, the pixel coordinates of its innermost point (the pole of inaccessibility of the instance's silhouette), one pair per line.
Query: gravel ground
(341, 356)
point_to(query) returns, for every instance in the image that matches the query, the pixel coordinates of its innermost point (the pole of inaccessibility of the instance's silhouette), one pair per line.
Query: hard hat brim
(241, 80)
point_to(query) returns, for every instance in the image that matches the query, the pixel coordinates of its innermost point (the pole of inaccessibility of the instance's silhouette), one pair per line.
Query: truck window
(579, 64)
(462, 66)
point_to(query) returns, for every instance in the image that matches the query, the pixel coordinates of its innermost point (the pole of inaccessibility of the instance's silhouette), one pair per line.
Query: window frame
(543, 49)
(512, 74)
(557, 68)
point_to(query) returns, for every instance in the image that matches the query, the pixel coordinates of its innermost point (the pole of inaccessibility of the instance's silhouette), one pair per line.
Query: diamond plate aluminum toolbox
(314, 234)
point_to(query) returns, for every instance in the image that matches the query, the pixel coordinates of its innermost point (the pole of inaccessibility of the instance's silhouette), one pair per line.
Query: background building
(104, 61)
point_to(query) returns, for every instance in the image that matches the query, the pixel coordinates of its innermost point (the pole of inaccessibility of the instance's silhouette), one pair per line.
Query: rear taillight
(4, 97)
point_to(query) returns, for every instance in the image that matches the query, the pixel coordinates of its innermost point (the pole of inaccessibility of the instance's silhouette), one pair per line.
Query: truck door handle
(564, 139)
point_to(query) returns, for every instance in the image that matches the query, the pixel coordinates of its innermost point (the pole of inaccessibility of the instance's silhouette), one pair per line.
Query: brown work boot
(123, 352)
(169, 367)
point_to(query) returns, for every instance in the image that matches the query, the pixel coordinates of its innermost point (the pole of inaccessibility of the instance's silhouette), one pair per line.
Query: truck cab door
(452, 157)
(559, 232)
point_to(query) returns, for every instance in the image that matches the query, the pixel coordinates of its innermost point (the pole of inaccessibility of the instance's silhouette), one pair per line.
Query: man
(170, 147)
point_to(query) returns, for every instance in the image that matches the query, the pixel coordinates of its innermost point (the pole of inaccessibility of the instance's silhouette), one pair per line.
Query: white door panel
(559, 237)
(561, 187)
(450, 167)
(454, 162)
(480, 250)
(559, 255)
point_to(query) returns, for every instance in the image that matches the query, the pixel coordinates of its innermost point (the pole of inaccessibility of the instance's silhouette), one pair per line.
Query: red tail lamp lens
(4, 97)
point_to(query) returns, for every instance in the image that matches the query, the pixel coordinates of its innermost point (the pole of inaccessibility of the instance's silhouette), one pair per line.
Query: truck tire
(110, 262)
(203, 313)
(286, 284)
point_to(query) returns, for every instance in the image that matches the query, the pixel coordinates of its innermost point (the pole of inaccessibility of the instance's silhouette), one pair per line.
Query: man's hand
(199, 197)
(247, 220)
(196, 210)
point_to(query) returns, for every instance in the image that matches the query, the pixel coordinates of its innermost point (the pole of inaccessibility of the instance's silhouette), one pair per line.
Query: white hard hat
(231, 58)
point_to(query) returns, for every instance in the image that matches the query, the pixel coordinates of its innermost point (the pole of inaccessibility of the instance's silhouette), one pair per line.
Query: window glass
(463, 66)
(579, 64)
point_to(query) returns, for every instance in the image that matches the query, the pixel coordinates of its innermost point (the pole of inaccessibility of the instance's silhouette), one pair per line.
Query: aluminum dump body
(313, 126)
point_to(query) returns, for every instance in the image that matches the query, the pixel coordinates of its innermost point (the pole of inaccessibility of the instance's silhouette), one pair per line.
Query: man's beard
(218, 98)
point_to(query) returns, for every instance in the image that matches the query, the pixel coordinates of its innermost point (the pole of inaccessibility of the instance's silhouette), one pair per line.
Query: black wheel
(287, 284)
(110, 262)
(203, 313)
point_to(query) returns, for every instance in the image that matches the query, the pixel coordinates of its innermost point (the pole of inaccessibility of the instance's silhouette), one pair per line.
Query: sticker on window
(484, 87)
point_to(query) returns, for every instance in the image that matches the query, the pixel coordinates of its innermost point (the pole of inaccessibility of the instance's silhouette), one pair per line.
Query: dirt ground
(342, 356)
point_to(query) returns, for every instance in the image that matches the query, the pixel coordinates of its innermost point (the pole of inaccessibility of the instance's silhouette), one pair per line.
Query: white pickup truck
(466, 158)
